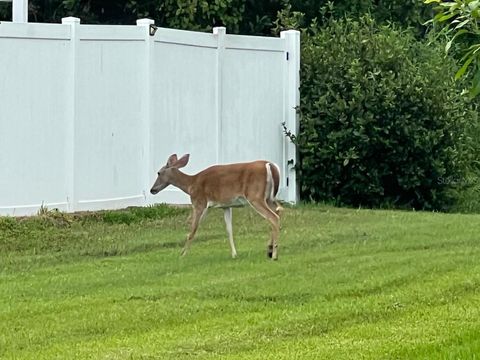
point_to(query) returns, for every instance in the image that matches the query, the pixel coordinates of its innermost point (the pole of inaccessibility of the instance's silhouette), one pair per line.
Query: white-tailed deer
(225, 186)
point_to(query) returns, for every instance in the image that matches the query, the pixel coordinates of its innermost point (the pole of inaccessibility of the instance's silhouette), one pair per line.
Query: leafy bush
(381, 124)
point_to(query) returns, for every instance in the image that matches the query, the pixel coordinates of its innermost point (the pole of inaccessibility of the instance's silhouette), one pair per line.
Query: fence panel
(33, 108)
(108, 124)
(183, 101)
(252, 114)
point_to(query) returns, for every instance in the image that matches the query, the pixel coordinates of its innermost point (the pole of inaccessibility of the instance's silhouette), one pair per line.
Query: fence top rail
(243, 42)
(111, 32)
(185, 37)
(35, 31)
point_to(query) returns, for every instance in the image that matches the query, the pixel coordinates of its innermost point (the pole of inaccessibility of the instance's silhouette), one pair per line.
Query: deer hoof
(270, 251)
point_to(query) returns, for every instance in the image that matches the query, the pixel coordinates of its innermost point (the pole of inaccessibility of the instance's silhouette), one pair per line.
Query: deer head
(167, 172)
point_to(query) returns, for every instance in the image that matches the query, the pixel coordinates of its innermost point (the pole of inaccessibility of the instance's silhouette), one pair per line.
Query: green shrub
(381, 122)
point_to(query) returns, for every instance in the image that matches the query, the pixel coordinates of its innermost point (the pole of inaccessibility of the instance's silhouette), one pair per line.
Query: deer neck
(181, 180)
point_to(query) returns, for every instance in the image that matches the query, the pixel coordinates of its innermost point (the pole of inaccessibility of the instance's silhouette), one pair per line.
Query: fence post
(219, 32)
(72, 115)
(292, 101)
(20, 11)
(149, 32)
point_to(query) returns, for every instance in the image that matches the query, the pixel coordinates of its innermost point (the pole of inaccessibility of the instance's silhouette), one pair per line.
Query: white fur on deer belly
(237, 202)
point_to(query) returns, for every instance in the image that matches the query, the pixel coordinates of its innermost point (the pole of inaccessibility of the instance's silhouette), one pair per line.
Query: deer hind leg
(277, 209)
(271, 216)
(198, 213)
(274, 206)
(227, 214)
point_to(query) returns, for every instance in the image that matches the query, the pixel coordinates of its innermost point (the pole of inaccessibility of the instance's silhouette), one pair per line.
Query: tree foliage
(459, 21)
(239, 16)
(407, 13)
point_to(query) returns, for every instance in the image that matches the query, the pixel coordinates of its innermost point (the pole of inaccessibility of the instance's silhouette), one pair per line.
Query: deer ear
(171, 160)
(181, 162)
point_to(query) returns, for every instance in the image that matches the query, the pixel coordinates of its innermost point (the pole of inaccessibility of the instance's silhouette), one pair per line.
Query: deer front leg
(227, 214)
(197, 214)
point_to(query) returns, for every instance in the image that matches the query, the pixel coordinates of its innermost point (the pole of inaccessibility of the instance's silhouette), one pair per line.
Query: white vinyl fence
(89, 113)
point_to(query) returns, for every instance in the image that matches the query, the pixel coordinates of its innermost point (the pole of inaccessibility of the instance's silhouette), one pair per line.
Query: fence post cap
(285, 33)
(70, 20)
(145, 22)
(219, 30)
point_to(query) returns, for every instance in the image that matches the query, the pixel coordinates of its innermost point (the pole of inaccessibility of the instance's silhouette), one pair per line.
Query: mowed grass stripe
(348, 284)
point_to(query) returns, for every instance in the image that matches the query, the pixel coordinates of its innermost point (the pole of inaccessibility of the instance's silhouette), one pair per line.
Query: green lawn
(349, 284)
